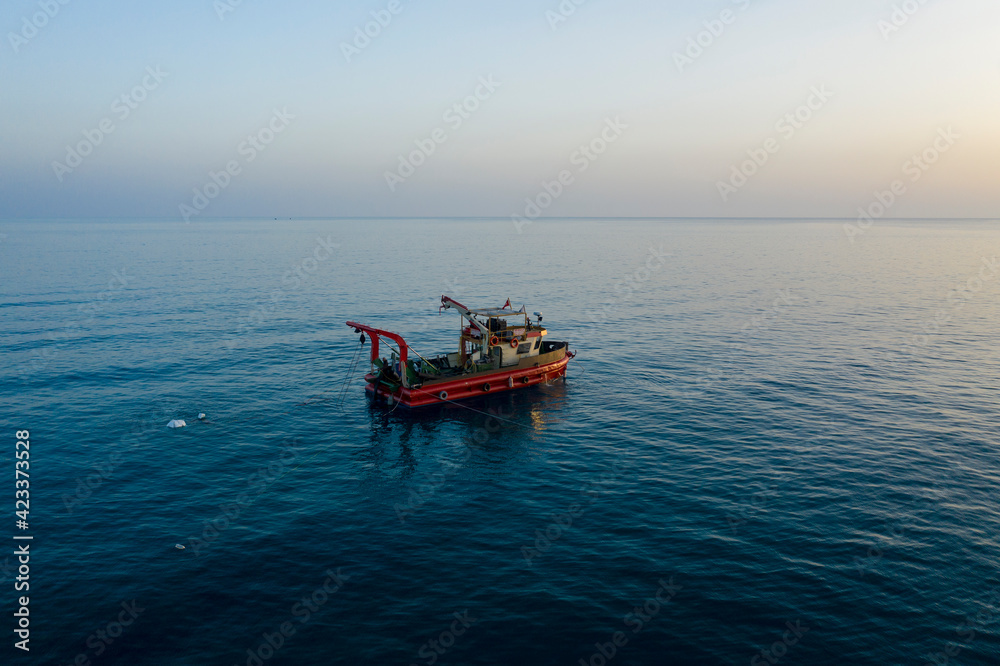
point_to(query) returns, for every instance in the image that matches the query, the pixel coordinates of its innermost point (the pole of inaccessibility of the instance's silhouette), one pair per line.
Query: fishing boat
(499, 349)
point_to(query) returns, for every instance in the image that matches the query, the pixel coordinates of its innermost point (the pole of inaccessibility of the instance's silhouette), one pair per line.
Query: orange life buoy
(513, 343)
(494, 341)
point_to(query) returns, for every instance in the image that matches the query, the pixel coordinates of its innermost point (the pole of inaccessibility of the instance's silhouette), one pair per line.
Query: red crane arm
(377, 333)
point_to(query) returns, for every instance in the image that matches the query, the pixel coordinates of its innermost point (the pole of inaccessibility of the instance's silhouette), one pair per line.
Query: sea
(778, 443)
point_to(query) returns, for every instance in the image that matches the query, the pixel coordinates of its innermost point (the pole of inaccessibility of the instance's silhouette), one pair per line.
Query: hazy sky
(661, 131)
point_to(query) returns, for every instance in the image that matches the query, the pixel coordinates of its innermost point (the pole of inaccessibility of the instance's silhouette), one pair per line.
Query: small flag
(506, 305)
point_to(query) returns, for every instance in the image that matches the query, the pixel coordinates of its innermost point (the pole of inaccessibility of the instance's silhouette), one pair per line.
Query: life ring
(443, 395)
(494, 341)
(486, 387)
(513, 343)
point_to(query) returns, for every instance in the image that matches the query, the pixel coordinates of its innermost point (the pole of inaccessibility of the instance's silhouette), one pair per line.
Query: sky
(199, 109)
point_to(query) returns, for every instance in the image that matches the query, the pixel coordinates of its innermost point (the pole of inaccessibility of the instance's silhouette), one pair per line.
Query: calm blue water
(790, 438)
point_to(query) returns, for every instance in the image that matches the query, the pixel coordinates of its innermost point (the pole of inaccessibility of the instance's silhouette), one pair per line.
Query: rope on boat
(352, 369)
(345, 387)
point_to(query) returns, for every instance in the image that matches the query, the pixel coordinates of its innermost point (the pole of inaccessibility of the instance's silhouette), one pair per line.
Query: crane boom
(448, 303)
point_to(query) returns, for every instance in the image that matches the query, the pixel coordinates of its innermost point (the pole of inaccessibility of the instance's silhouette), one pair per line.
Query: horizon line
(491, 217)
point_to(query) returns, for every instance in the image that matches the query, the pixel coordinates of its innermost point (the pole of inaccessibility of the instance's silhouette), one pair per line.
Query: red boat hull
(472, 386)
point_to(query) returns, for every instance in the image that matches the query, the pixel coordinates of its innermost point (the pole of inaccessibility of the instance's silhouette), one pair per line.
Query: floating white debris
(179, 547)
(176, 423)
(201, 417)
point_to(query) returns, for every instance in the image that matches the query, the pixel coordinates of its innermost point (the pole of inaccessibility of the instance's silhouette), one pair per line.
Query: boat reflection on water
(492, 432)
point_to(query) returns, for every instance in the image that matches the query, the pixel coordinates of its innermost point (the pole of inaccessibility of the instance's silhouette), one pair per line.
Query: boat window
(537, 342)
